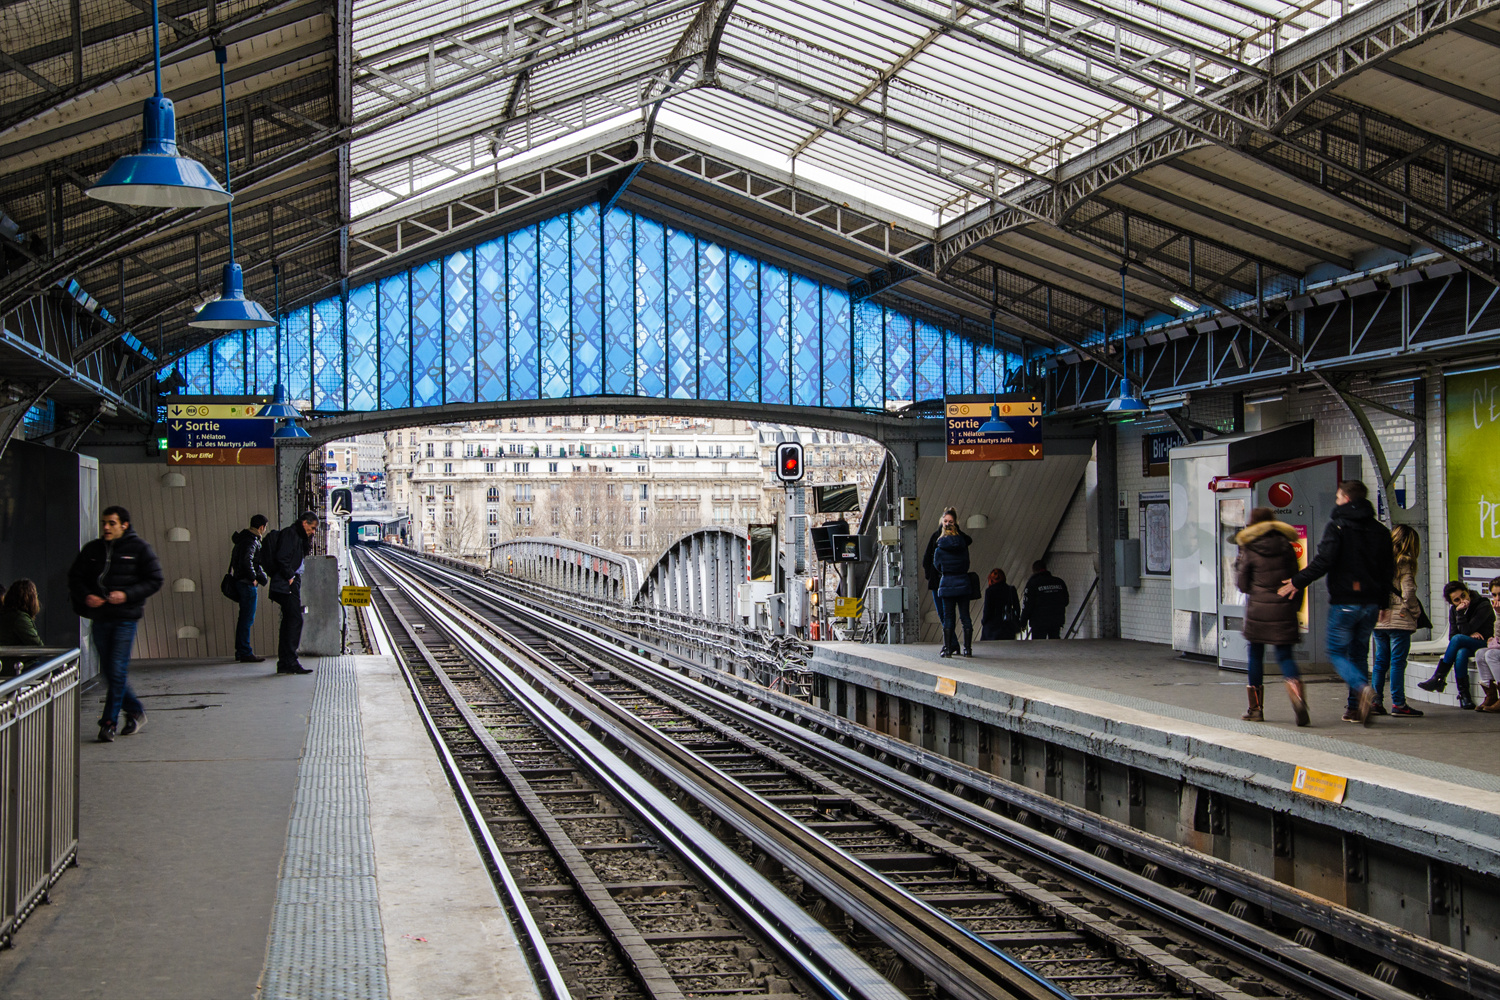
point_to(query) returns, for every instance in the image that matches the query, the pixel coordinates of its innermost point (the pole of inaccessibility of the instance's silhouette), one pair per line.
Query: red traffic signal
(789, 462)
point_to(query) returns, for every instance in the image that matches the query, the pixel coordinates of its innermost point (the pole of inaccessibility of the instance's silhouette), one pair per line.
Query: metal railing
(38, 779)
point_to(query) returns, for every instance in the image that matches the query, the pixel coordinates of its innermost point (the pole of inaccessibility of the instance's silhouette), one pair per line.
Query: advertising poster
(1473, 472)
(1156, 532)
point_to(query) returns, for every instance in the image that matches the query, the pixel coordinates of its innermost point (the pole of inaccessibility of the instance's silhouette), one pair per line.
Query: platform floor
(1444, 743)
(268, 837)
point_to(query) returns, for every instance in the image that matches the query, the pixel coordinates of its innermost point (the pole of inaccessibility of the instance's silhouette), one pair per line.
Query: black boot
(950, 643)
(968, 642)
(1465, 696)
(1438, 682)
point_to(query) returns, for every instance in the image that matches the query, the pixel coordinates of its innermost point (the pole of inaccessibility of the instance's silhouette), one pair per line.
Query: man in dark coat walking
(1046, 603)
(109, 583)
(283, 557)
(1355, 554)
(1266, 558)
(247, 576)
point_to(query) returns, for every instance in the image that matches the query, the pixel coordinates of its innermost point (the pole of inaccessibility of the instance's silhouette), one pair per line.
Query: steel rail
(827, 962)
(1256, 943)
(961, 962)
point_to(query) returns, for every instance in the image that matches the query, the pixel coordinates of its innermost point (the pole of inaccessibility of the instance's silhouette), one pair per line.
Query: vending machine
(1301, 492)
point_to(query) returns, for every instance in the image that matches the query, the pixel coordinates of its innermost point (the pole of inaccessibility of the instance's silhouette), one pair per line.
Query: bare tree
(460, 532)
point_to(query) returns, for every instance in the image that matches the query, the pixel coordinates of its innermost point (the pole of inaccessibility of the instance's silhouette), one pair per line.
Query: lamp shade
(1127, 401)
(291, 430)
(279, 408)
(158, 176)
(231, 310)
(995, 425)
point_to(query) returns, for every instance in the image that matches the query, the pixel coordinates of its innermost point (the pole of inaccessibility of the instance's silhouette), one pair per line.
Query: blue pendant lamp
(157, 176)
(280, 409)
(994, 425)
(1127, 403)
(231, 310)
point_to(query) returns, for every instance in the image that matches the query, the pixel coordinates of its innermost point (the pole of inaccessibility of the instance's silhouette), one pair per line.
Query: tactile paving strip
(326, 941)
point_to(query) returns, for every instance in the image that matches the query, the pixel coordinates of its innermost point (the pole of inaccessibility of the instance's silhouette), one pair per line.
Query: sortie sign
(964, 415)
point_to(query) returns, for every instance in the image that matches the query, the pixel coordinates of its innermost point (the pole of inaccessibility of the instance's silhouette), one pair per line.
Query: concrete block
(323, 631)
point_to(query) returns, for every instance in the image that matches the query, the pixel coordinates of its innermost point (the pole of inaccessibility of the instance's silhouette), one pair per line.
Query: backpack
(268, 545)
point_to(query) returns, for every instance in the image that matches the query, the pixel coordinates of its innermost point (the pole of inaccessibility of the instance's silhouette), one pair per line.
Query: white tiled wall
(1145, 611)
(1073, 554)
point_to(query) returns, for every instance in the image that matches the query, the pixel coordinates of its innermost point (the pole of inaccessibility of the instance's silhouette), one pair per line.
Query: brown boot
(1491, 701)
(1299, 701)
(1256, 694)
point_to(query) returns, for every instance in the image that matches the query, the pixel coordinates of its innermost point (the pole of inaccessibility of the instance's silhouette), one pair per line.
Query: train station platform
(268, 837)
(1429, 784)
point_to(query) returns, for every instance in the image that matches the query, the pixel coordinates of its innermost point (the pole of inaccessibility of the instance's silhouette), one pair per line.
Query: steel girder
(1256, 112)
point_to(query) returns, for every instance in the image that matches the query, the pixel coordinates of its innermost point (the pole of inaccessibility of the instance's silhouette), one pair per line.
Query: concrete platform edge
(1441, 820)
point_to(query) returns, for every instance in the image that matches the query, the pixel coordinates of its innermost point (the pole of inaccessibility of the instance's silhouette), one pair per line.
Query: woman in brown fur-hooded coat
(1267, 558)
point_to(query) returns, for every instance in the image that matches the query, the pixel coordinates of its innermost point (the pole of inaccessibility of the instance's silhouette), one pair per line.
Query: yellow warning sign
(946, 685)
(848, 607)
(1319, 784)
(355, 597)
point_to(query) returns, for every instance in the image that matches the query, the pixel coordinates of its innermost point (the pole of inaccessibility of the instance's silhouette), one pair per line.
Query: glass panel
(713, 321)
(520, 258)
(775, 385)
(458, 328)
(619, 303)
(898, 353)
(554, 317)
(395, 342)
(806, 348)
(929, 361)
(229, 364)
(991, 371)
(682, 315)
(296, 362)
(489, 320)
(360, 337)
(427, 334)
(869, 355)
(744, 327)
(197, 369)
(588, 336)
(838, 388)
(263, 378)
(650, 311)
(958, 364)
(328, 354)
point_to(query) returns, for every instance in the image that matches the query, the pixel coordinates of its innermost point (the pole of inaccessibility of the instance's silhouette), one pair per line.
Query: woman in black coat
(1002, 609)
(951, 557)
(1266, 558)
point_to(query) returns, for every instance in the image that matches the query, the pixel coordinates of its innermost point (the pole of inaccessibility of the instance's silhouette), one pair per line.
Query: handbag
(228, 588)
(1422, 620)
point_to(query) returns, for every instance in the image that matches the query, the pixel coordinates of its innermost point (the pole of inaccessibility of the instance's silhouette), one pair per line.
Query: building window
(489, 467)
(447, 449)
(594, 539)
(556, 516)
(629, 540)
(645, 491)
(429, 466)
(492, 515)
(523, 492)
(609, 491)
(494, 538)
(448, 490)
(551, 466)
(448, 468)
(448, 518)
(492, 494)
(429, 448)
(643, 515)
(518, 514)
(577, 515)
(522, 468)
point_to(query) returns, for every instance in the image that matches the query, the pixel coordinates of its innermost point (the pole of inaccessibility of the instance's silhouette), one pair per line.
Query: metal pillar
(1106, 458)
(910, 567)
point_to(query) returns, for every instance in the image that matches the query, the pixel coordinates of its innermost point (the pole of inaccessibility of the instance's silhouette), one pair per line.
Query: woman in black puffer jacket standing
(951, 557)
(1266, 559)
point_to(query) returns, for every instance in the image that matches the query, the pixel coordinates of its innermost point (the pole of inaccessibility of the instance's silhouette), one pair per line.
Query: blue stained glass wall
(587, 304)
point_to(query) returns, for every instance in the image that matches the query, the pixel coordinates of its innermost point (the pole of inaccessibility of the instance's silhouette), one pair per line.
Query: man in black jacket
(1046, 603)
(1355, 554)
(247, 575)
(283, 556)
(108, 582)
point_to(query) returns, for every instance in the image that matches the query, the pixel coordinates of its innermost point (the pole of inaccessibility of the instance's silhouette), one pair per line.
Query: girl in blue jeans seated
(1471, 623)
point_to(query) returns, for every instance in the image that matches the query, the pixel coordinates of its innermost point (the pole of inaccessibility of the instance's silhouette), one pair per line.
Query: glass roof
(932, 108)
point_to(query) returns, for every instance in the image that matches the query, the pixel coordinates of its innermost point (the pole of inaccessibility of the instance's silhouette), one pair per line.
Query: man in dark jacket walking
(1046, 603)
(1355, 554)
(108, 583)
(247, 576)
(283, 556)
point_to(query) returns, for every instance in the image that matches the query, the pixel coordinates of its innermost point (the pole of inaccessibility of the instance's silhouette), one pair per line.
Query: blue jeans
(1284, 660)
(112, 640)
(1349, 630)
(946, 609)
(246, 619)
(1460, 648)
(1391, 647)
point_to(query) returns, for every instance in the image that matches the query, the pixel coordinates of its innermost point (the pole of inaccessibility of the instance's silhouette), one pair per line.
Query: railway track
(930, 893)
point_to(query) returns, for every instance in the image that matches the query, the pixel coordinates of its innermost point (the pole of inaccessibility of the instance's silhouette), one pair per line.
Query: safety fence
(39, 772)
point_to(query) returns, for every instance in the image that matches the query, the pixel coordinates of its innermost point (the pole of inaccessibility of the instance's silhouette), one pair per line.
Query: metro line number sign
(964, 415)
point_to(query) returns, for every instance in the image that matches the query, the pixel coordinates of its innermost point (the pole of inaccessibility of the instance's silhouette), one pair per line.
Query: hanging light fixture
(1127, 403)
(231, 310)
(280, 409)
(994, 425)
(158, 176)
